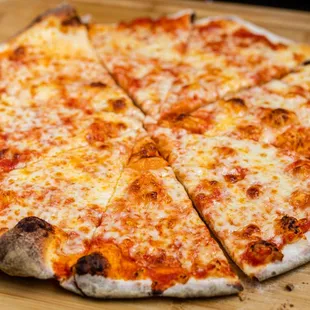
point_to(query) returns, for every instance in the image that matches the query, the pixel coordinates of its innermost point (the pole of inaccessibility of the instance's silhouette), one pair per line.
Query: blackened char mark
(33, 224)
(306, 63)
(94, 264)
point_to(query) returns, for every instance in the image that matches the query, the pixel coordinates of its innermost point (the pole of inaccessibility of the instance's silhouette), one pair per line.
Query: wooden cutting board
(22, 293)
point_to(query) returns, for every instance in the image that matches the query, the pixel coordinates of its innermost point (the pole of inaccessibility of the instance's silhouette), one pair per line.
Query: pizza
(245, 164)
(122, 145)
(85, 196)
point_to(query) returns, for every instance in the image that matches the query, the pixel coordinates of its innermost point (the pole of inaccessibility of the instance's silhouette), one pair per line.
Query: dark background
(297, 5)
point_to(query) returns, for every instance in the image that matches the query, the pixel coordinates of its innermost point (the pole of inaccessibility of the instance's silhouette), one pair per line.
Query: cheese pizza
(87, 197)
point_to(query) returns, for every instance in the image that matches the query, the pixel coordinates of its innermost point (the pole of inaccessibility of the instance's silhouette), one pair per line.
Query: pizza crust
(254, 28)
(295, 255)
(182, 13)
(63, 12)
(204, 288)
(100, 287)
(24, 249)
(70, 285)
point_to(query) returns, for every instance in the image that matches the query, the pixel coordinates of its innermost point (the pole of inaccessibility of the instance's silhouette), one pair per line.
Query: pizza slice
(150, 240)
(275, 113)
(142, 53)
(35, 72)
(225, 55)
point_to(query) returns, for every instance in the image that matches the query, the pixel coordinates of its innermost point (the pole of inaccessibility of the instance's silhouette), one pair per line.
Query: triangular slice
(141, 54)
(35, 71)
(151, 241)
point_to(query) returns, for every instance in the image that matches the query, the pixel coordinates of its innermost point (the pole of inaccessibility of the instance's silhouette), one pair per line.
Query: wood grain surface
(24, 294)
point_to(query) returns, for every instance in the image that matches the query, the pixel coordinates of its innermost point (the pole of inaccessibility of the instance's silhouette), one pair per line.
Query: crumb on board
(241, 296)
(285, 306)
(289, 287)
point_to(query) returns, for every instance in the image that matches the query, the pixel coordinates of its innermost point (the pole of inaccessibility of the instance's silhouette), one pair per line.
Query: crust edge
(23, 249)
(61, 11)
(251, 26)
(100, 287)
(295, 255)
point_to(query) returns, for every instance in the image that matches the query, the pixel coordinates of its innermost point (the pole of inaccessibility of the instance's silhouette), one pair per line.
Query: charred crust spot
(253, 191)
(97, 84)
(289, 223)
(193, 18)
(306, 63)
(33, 224)
(72, 21)
(238, 287)
(64, 10)
(157, 292)
(93, 264)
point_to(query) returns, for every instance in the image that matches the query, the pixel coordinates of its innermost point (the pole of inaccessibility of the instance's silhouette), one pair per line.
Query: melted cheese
(198, 159)
(152, 223)
(69, 191)
(141, 55)
(224, 56)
